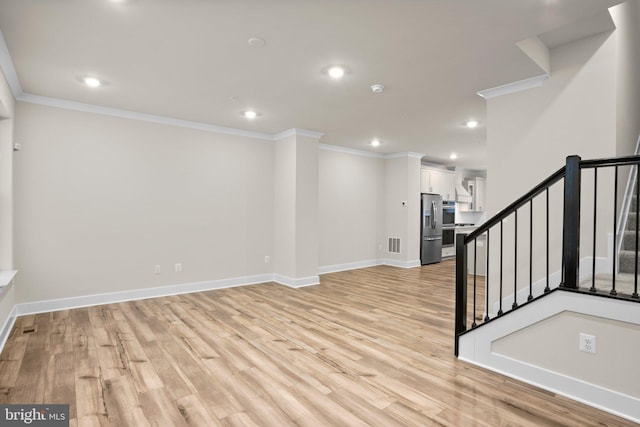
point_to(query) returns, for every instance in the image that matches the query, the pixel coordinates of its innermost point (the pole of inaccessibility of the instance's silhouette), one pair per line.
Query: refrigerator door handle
(434, 221)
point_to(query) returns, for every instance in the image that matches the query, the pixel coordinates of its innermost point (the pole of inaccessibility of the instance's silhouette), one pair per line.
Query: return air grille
(394, 245)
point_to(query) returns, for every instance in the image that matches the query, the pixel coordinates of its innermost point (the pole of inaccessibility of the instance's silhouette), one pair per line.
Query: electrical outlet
(267, 259)
(157, 269)
(178, 268)
(588, 343)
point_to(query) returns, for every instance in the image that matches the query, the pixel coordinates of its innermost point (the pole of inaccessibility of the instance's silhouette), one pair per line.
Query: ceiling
(191, 60)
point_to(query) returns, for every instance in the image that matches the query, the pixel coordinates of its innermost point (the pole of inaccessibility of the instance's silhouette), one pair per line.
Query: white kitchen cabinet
(477, 188)
(438, 182)
(478, 194)
(448, 186)
(424, 181)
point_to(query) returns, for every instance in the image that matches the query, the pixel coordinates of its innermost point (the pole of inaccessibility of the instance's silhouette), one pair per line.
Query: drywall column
(7, 290)
(7, 105)
(296, 208)
(402, 176)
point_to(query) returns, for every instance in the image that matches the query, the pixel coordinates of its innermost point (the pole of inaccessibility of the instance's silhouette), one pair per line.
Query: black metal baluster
(501, 245)
(515, 262)
(546, 288)
(615, 231)
(475, 257)
(595, 209)
(635, 280)
(486, 282)
(530, 297)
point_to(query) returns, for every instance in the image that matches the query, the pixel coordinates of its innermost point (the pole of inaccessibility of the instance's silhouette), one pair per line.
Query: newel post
(461, 288)
(571, 224)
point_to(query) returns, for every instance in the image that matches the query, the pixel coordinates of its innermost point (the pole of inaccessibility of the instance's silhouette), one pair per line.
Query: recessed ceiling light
(92, 82)
(377, 88)
(472, 123)
(375, 142)
(336, 72)
(256, 42)
(250, 114)
(453, 156)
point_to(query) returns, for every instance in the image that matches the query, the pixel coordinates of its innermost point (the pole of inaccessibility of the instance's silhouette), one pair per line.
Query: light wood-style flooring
(370, 347)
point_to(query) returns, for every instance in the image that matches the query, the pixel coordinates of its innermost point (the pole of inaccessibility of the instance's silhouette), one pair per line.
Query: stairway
(628, 251)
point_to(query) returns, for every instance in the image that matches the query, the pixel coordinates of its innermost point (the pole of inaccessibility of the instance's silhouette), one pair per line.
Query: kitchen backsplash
(476, 218)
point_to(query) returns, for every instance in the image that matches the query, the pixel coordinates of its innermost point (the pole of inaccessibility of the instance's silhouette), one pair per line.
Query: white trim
(133, 115)
(475, 347)
(404, 154)
(9, 71)
(6, 276)
(8, 326)
(353, 151)
(297, 132)
(136, 294)
(401, 263)
(296, 283)
(349, 266)
(513, 87)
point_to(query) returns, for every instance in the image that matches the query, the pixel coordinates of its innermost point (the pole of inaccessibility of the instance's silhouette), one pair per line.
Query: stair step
(625, 283)
(631, 220)
(627, 261)
(629, 240)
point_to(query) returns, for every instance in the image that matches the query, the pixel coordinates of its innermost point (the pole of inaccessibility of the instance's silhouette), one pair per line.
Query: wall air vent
(394, 245)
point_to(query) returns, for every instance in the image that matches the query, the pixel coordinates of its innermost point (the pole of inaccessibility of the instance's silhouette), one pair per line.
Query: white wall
(626, 17)
(529, 135)
(351, 208)
(7, 293)
(553, 344)
(402, 184)
(101, 200)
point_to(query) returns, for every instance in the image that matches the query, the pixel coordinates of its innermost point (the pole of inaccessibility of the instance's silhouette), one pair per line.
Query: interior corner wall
(351, 209)
(306, 207)
(100, 201)
(285, 207)
(626, 17)
(402, 185)
(529, 135)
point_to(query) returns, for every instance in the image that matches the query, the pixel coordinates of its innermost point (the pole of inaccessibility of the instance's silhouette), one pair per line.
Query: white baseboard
(349, 266)
(296, 283)
(476, 347)
(8, 326)
(136, 294)
(401, 263)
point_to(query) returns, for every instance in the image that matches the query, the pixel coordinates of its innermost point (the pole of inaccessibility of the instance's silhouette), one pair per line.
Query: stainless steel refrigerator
(431, 229)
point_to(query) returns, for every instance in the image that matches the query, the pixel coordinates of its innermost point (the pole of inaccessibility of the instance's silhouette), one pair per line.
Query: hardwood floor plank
(369, 347)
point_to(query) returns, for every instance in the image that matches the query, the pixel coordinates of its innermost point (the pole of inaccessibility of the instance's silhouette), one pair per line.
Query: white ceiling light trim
(92, 82)
(336, 71)
(513, 87)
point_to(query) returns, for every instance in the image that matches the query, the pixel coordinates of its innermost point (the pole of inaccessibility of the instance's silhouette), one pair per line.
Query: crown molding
(409, 154)
(353, 151)
(297, 132)
(513, 87)
(133, 115)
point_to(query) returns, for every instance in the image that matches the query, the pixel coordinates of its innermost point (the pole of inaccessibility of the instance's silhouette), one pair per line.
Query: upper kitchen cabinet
(476, 188)
(436, 181)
